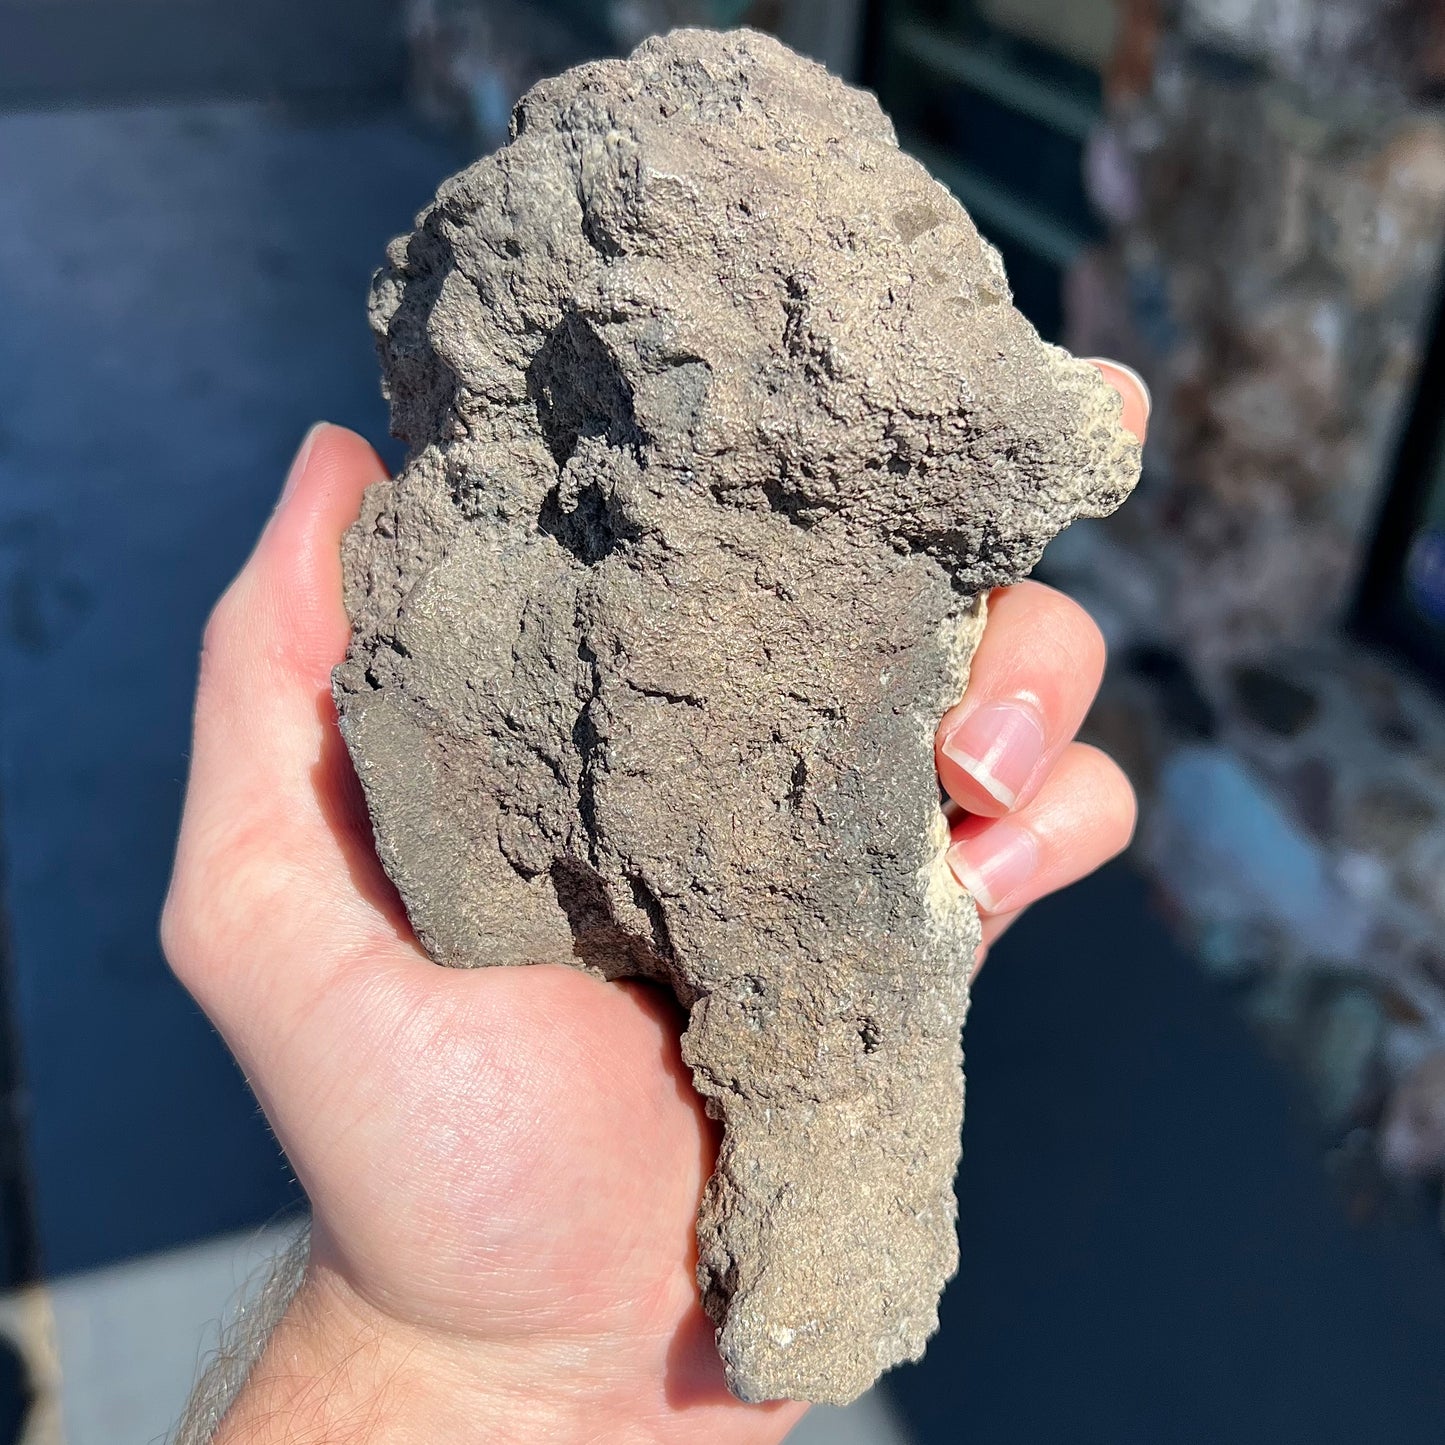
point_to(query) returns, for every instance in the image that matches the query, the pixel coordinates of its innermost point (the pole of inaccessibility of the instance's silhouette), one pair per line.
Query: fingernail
(998, 745)
(298, 462)
(1135, 422)
(996, 865)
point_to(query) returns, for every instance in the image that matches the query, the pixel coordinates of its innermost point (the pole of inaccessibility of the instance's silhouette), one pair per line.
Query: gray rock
(721, 423)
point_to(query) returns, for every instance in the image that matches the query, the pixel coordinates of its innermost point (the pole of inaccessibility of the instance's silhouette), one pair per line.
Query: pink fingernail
(996, 865)
(298, 462)
(998, 745)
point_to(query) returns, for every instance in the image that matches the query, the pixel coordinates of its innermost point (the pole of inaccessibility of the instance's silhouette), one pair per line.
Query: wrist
(337, 1372)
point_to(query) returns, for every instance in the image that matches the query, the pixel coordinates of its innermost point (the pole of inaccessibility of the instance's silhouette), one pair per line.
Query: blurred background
(1200, 1197)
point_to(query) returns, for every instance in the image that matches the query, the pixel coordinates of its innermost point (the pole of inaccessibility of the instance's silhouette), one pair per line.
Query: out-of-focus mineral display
(1273, 172)
(470, 60)
(721, 421)
(1286, 261)
(1338, 46)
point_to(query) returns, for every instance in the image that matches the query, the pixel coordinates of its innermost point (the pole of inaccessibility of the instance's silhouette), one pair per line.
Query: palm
(532, 1151)
(530, 1148)
(502, 1160)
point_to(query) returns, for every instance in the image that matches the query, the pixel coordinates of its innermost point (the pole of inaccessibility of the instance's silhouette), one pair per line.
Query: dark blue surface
(182, 292)
(1151, 1250)
(65, 52)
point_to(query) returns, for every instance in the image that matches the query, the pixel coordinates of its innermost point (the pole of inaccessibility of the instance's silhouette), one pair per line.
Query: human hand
(504, 1165)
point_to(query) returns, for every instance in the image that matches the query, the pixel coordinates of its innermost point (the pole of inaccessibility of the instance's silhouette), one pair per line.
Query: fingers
(1033, 680)
(1082, 816)
(266, 856)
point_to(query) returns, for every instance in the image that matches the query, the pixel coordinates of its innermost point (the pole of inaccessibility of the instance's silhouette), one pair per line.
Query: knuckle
(218, 635)
(182, 941)
(209, 907)
(219, 899)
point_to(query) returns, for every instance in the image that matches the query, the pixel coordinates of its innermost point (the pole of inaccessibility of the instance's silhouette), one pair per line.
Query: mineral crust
(721, 425)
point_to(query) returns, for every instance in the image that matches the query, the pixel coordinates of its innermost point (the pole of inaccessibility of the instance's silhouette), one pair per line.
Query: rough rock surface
(720, 420)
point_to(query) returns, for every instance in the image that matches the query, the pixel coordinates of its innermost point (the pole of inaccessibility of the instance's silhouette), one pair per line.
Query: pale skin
(504, 1165)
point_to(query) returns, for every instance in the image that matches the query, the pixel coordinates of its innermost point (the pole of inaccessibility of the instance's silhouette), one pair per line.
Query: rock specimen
(721, 422)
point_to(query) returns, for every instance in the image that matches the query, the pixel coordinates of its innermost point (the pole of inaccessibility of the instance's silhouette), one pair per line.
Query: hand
(504, 1165)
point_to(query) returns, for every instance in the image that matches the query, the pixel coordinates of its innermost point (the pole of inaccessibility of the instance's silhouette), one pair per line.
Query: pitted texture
(720, 421)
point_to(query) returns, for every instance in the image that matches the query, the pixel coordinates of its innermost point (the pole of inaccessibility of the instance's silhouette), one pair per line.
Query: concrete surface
(132, 1338)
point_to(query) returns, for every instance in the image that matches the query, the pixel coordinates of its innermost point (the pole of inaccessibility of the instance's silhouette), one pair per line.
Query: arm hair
(241, 1345)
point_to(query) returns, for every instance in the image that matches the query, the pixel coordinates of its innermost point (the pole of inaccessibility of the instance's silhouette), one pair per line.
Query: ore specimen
(721, 425)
